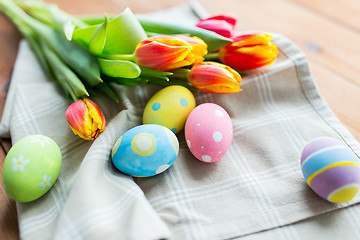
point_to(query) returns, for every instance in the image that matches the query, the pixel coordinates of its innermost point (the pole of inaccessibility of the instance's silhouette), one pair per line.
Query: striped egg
(331, 169)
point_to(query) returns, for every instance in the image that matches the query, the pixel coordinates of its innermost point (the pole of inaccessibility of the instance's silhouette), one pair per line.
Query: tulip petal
(249, 51)
(165, 53)
(149, 56)
(218, 88)
(76, 115)
(228, 18)
(97, 119)
(214, 78)
(198, 46)
(221, 27)
(85, 119)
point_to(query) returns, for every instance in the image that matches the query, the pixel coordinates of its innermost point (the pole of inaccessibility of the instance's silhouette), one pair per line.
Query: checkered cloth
(256, 186)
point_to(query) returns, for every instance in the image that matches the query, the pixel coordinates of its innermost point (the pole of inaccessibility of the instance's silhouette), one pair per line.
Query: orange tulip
(198, 47)
(249, 51)
(214, 77)
(165, 53)
(85, 119)
(221, 24)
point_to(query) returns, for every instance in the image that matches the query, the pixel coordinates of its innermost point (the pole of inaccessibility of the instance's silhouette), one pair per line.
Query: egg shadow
(316, 204)
(188, 162)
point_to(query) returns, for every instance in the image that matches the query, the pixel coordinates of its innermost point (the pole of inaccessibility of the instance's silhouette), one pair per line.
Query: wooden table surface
(327, 31)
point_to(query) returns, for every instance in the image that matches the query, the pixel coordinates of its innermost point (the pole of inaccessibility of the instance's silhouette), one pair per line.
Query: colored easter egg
(31, 167)
(208, 132)
(331, 169)
(145, 150)
(169, 107)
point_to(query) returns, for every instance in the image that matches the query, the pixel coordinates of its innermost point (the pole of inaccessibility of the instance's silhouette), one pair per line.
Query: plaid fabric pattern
(256, 186)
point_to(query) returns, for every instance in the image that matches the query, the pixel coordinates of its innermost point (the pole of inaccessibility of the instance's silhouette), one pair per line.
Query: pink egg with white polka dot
(208, 132)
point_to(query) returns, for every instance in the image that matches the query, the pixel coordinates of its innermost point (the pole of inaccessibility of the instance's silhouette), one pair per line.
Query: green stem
(56, 17)
(211, 56)
(20, 18)
(147, 72)
(36, 32)
(128, 57)
(180, 72)
(180, 82)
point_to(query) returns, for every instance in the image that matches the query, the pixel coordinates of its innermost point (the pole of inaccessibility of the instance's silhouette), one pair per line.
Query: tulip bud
(214, 77)
(221, 24)
(85, 119)
(249, 51)
(198, 47)
(165, 53)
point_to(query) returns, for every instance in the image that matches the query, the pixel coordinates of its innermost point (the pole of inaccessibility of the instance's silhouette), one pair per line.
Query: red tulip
(85, 119)
(221, 24)
(165, 53)
(214, 77)
(249, 51)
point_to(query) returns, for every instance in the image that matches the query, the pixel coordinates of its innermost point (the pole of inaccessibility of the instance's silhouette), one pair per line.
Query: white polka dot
(162, 168)
(198, 124)
(217, 136)
(202, 147)
(219, 113)
(219, 152)
(144, 143)
(188, 143)
(206, 158)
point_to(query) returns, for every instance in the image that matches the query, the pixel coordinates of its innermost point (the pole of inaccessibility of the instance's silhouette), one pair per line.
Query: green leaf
(153, 28)
(39, 10)
(44, 41)
(152, 34)
(131, 82)
(123, 34)
(98, 39)
(68, 29)
(119, 68)
(51, 15)
(213, 40)
(64, 74)
(75, 56)
(147, 72)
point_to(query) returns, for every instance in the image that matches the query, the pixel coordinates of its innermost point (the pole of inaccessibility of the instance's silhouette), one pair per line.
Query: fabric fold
(255, 191)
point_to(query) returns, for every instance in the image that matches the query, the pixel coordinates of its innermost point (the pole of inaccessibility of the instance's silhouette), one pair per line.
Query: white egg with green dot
(31, 168)
(145, 150)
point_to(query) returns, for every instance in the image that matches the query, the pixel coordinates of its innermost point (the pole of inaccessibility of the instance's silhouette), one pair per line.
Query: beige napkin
(256, 186)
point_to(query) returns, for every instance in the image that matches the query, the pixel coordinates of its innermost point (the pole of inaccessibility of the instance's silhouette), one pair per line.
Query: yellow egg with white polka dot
(170, 107)
(145, 150)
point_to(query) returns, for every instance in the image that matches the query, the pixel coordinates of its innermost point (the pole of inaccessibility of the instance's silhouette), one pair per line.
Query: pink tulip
(221, 24)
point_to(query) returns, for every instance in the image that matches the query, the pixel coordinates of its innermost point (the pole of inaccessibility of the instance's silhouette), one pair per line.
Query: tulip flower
(249, 51)
(198, 47)
(221, 24)
(213, 77)
(85, 119)
(165, 53)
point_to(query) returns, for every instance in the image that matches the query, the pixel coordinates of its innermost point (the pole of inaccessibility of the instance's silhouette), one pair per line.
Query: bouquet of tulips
(85, 55)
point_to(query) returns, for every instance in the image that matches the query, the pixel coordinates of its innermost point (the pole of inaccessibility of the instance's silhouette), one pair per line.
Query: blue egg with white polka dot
(145, 150)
